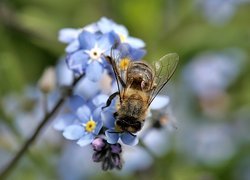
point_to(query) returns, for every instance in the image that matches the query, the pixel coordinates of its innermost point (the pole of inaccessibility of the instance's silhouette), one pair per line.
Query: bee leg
(111, 97)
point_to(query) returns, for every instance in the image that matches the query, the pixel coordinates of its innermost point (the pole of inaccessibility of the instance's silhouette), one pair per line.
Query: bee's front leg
(111, 97)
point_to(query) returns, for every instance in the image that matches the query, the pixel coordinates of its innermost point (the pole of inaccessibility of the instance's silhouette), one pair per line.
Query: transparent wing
(164, 69)
(119, 64)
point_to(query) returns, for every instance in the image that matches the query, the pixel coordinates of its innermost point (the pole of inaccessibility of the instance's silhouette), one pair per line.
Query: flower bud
(98, 144)
(98, 156)
(48, 80)
(116, 148)
(106, 165)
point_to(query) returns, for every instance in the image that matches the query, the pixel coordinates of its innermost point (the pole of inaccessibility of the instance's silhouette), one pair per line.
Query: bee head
(129, 124)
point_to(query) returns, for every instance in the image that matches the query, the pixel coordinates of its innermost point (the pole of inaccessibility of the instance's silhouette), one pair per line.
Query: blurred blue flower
(156, 132)
(210, 73)
(89, 58)
(208, 143)
(136, 159)
(219, 12)
(64, 75)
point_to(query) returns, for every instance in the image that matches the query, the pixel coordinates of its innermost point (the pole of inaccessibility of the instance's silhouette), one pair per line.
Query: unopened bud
(48, 80)
(98, 144)
(116, 148)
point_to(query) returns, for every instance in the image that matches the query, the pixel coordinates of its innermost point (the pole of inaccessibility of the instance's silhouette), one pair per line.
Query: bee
(138, 84)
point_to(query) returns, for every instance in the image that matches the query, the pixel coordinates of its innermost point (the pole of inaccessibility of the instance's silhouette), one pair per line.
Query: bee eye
(115, 114)
(119, 123)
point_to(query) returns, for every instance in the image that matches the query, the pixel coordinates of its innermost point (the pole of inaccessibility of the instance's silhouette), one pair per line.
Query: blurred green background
(29, 31)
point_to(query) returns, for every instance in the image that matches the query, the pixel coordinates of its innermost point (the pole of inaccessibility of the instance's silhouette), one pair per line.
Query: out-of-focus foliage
(212, 141)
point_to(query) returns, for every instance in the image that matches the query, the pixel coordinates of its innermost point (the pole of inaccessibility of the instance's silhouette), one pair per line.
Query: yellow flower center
(90, 126)
(124, 64)
(122, 38)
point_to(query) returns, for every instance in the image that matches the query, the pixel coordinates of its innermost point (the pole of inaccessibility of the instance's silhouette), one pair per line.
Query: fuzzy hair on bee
(138, 84)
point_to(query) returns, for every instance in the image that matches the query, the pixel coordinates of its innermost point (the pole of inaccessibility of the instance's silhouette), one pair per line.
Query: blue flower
(106, 25)
(84, 121)
(87, 127)
(89, 58)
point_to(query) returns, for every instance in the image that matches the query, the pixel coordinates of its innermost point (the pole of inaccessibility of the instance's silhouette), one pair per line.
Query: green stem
(7, 169)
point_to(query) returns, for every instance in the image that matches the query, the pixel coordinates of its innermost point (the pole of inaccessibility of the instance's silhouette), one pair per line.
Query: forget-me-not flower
(84, 121)
(87, 128)
(89, 58)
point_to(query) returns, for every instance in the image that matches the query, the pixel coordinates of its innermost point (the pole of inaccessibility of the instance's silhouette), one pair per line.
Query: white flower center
(95, 53)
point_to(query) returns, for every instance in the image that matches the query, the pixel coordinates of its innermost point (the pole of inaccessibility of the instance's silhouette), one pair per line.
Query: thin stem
(33, 137)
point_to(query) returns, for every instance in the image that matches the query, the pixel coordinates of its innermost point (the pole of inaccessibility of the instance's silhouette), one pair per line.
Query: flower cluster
(88, 45)
(84, 120)
(108, 154)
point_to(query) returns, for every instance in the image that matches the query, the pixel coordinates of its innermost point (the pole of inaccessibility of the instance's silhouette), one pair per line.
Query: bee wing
(164, 69)
(115, 59)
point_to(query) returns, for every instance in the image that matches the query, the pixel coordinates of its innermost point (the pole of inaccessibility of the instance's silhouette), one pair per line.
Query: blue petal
(100, 100)
(160, 102)
(129, 139)
(137, 54)
(83, 113)
(77, 61)
(112, 137)
(64, 120)
(121, 30)
(107, 117)
(67, 35)
(127, 51)
(87, 40)
(64, 75)
(83, 88)
(94, 71)
(73, 46)
(73, 132)
(75, 102)
(105, 25)
(98, 127)
(85, 140)
(135, 42)
(106, 41)
(97, 113)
